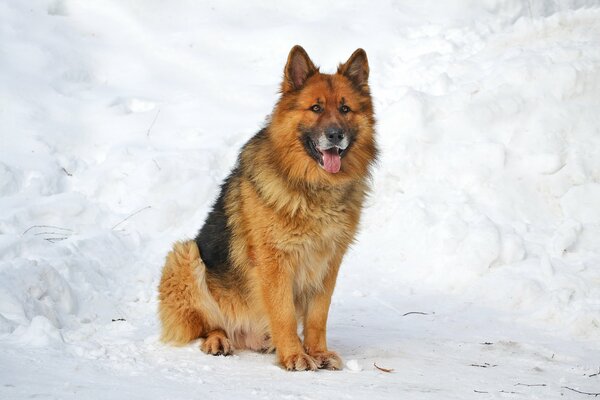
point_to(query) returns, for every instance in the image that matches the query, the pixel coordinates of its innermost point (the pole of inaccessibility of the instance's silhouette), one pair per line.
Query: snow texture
(477, 268)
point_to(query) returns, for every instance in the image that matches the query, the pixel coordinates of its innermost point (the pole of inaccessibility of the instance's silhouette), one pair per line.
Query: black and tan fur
(268, 254)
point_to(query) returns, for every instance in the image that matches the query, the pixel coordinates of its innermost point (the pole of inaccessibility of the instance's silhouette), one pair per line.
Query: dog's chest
(310, 272)
(311, 243)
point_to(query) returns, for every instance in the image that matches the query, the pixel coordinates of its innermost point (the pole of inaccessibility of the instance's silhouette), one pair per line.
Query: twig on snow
(484, 365)
(58, 239)
(383, 369)
(578, 391)
(531, 385)
(131, 215)
(46, 226)
(499, 391)
(152, 124)
(415, 312)
(596, 374)
(55, 234)
(66, 172)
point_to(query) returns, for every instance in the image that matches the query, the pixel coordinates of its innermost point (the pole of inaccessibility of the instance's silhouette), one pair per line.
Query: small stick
(479, 391)
(152, 124)
(577, 391)
(596, 374)
(131, 215)
(383, 369)
(66, 172)
(415, 312)
(58, 239)
(46, 226)
(531, 385)
(484, 365)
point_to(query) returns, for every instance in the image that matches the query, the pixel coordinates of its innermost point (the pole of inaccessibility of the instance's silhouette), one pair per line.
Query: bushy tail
(179, 294)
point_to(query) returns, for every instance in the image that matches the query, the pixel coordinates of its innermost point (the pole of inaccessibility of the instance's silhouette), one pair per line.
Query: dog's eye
(316, 108)
(344, 109)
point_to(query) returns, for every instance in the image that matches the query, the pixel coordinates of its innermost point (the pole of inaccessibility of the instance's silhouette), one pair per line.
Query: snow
(477, 268)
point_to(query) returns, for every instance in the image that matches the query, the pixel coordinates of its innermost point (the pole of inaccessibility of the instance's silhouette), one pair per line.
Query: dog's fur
(269, 252)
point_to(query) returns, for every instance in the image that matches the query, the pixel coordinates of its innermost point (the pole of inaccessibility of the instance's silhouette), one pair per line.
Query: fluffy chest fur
(310, 226)
(310, 242)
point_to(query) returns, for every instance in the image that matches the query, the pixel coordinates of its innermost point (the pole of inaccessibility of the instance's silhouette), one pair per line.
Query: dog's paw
(217, 345)
(327, 360)
(299, 362)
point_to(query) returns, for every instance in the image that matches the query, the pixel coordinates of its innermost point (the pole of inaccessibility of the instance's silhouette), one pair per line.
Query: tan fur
(291, 224)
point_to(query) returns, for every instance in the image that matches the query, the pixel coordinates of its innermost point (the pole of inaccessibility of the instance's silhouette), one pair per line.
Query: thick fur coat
(268, 254)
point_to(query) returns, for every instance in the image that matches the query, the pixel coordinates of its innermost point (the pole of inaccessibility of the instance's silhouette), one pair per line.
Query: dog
(268, 254)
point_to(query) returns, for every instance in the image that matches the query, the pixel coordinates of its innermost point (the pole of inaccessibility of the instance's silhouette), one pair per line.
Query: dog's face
(329, 125)
(323, 123)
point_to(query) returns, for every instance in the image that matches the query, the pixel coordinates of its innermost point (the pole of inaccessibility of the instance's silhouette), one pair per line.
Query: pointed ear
(298, 69)
(356, 69)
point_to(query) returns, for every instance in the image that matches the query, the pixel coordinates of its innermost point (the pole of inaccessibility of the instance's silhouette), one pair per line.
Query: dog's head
(323, 124)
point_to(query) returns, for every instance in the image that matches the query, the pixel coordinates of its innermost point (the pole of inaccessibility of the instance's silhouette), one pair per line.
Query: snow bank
(118, 121)
(488, 182)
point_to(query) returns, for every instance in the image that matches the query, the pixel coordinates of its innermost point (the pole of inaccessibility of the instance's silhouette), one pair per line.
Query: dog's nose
(334, 134)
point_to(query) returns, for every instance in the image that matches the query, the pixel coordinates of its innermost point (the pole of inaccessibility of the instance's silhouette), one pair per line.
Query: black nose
(335, 134)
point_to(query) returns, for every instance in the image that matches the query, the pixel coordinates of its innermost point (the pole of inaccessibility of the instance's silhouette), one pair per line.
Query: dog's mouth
(330, 159)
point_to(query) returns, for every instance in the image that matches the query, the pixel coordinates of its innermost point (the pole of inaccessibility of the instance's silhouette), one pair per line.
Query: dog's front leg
(315, 321)
(276, 279)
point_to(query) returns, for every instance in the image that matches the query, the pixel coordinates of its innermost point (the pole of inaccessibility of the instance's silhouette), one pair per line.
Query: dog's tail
(180, 291)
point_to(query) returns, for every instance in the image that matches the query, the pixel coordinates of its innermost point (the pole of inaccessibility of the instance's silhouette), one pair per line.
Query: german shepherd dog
(268, 254)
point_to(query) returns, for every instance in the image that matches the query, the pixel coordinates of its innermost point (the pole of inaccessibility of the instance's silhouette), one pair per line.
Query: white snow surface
(476, 273)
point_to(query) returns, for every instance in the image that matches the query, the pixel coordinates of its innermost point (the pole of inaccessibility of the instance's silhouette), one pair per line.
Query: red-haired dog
(269, 252)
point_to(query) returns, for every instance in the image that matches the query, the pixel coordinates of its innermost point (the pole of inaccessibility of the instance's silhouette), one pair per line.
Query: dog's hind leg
(179, 294)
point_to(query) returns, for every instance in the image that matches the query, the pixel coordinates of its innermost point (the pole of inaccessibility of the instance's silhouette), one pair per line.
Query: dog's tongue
(331, 160)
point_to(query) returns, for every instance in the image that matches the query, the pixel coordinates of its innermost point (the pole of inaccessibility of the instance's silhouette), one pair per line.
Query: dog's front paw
(327, 360)
(299, 362)
(217, 344)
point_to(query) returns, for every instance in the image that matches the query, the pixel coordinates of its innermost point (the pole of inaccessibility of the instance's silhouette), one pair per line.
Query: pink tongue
(331, 160)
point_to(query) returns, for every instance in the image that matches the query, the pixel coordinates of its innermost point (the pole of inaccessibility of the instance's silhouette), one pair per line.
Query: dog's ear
(356, 69)
(298, 69)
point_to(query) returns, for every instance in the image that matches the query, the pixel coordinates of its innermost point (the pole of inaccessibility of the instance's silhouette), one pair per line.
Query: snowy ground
(118, 120)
